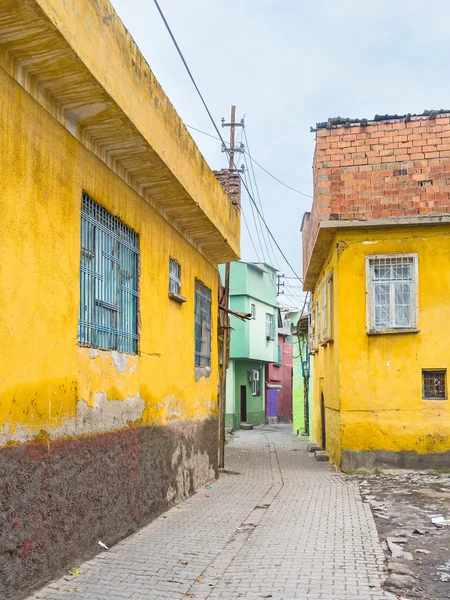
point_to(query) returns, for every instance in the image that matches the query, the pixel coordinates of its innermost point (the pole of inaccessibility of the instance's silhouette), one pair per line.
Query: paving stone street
(277, 524)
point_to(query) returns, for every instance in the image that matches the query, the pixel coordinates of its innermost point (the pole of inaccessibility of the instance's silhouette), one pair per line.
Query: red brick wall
(384, 170)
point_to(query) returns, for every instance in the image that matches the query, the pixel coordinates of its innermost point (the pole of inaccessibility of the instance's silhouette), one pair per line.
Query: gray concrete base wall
(58, 500)
(366, 460)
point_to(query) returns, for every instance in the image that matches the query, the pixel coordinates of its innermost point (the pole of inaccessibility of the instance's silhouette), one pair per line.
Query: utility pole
(279, 284)
(226, 321)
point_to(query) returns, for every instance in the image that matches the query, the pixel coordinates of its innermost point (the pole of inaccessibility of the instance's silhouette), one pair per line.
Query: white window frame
(253, 311)
(371, 329)
(256, 383)
(270, 327)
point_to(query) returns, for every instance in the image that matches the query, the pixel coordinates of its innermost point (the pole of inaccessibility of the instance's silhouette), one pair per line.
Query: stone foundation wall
(58, 500)
(367, 461)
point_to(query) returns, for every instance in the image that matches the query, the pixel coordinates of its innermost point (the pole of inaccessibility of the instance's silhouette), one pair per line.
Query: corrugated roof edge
(334, 122)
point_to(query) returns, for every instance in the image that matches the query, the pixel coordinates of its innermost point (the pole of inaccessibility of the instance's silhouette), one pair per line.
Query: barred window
(202, 325)
(108, 281)
(434, 384)
(253, 310)
(392, 292)
(174, 276)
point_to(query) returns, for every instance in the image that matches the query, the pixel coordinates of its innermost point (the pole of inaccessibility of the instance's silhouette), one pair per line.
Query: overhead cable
(220, 136)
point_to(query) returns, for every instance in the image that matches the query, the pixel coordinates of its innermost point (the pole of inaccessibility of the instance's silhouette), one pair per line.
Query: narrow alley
(277, 524)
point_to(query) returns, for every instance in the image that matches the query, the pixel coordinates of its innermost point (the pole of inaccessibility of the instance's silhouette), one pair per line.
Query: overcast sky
(287, 64)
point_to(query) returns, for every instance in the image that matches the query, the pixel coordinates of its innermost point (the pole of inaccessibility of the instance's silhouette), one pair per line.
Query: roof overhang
(328, 229)
(77, 60)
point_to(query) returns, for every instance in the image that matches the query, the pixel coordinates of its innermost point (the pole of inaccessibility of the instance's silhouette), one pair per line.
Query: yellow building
(112, 227)
(376, 251)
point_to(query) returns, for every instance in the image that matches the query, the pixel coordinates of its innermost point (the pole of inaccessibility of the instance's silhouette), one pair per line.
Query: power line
(279, 180)
(256, 163)
(256, 223)
(257, 192)
(220, 136)
(249, 234)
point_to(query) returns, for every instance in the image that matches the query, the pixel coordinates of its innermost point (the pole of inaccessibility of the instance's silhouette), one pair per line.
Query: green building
(302, 376)
(253, 343)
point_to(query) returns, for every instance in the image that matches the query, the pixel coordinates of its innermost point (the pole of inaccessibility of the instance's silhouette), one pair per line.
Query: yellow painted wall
(44, 372)
(381, 375)
(326, 373)
(116, 63)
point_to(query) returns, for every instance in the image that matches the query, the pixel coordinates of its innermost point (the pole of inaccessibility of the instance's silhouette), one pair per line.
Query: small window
(202, 325)
(256, 388)
(270, 327)
(391, 293)
(174, 276)
(280, 357)
(434, 385)
(253, 310)
(324, 311)
(109, 269)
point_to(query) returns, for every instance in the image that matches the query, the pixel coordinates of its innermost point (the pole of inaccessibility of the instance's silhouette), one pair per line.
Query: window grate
(392, 292)
(202, 325)
(108, 281)
(434, 385)
(174, 276)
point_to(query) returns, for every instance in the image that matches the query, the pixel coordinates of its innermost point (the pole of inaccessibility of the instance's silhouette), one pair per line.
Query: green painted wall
(237, 375)
(298, 419)
(249, 349)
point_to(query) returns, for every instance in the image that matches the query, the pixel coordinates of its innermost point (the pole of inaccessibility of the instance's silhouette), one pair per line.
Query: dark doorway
(322, 418)
(243, 403)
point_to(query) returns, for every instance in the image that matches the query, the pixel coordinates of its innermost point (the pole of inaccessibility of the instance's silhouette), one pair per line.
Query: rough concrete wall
(57, 501)
(368, 461)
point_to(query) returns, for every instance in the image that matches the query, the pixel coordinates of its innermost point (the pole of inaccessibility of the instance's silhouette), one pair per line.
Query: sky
(286, 65)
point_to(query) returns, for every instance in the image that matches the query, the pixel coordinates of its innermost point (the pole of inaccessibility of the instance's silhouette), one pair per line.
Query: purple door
(272, 402)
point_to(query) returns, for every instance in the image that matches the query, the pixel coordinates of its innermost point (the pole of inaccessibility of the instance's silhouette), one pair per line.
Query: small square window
(174, 276)
(434, 384)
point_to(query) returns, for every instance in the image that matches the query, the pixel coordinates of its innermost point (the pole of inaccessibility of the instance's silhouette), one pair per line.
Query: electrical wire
(249, 234)
(279, 180)
(259, 197)
(256, 163)
(220, 136)
(256, 222)
(256, 225)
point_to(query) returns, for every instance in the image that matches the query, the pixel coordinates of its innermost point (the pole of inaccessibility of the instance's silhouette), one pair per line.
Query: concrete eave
(328, 229)
(77, 60)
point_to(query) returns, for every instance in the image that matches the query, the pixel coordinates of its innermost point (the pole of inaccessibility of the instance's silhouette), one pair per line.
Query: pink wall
(283, 376)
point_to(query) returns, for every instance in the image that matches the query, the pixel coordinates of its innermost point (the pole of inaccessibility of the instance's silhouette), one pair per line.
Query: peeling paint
(120, 360)
(202, 372)
(93, 353)
(106, 415)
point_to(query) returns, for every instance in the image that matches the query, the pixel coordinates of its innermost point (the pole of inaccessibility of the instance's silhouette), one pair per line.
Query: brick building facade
(376, 255)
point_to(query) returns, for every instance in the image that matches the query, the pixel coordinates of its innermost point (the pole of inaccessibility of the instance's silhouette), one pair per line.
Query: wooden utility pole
(226, 319)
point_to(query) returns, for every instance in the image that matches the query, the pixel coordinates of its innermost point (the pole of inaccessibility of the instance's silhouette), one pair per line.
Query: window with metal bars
(109, 293)
(434, 385)
(391, 292)
(174, 276)
(202, 325)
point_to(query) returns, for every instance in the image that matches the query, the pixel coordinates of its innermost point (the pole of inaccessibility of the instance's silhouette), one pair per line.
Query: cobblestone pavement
(278, 525)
